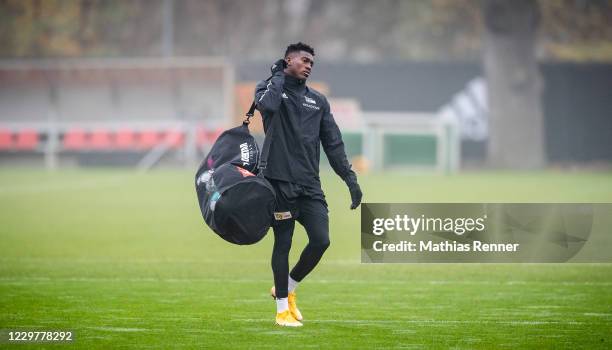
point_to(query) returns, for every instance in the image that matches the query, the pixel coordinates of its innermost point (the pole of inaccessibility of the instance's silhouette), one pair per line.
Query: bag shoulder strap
(265, 150)
(249, 114)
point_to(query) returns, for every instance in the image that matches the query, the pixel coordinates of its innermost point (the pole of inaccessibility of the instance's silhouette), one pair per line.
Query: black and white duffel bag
(236, 201)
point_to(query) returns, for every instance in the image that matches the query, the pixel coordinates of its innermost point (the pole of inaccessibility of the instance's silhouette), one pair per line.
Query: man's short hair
(299, 47)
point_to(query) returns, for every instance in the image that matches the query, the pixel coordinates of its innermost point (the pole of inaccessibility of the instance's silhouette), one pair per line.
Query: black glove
(278, 66)
(356, 194)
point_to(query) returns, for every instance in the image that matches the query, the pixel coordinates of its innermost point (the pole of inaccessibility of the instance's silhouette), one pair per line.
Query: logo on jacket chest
(310, 103)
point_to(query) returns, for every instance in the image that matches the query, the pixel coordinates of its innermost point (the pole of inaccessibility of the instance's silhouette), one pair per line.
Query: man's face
(299, 64)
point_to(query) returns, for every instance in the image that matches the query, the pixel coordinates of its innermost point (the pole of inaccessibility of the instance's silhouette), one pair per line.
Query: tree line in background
(508, 37)
(354, 30)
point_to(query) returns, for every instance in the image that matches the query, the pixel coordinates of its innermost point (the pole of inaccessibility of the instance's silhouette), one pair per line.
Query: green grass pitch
(125, 260)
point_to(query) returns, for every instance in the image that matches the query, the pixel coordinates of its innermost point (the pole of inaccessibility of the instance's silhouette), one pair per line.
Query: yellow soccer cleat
(292, 300)
(293, 306)
(286, 319)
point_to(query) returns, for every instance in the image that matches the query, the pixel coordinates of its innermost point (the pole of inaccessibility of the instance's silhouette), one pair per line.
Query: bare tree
(516, 138)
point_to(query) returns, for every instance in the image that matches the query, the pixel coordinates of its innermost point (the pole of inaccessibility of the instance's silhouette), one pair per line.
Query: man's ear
(288, 60)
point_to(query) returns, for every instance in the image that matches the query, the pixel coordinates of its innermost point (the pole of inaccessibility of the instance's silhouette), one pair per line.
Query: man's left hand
(356, 194)
(278, 66)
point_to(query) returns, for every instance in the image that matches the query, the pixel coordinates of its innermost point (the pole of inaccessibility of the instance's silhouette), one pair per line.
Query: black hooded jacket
(302, 122)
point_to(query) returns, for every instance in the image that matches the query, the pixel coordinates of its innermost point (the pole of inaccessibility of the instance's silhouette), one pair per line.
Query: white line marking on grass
(450, 282)
(120, 260)
(22, 280)
(119, 329)
(596, 314)
(434, 322)
(49, 187)
(153, 261)
(370, 282)
(283, 332)
(210, 331)
(542, 307)
(288, 332)
(100, 337)
(404, 331)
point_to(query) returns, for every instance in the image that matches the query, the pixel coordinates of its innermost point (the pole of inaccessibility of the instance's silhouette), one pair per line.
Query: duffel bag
(236, 201)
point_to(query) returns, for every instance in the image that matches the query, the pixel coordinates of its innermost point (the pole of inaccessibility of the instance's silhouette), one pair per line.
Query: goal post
(412, 141)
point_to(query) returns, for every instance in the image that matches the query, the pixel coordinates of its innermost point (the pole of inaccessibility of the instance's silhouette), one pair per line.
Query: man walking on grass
(299, 120)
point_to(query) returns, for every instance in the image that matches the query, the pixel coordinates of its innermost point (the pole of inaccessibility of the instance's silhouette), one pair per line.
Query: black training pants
(312, 214)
